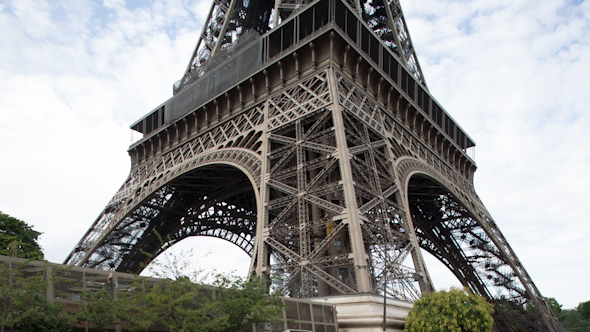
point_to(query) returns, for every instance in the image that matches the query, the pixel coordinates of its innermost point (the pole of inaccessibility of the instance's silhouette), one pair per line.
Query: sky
(75, 74)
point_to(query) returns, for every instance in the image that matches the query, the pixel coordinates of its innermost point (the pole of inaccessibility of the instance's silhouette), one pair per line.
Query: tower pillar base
(364, 312)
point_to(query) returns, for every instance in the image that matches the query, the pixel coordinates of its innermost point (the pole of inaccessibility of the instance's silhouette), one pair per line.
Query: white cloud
(70, 89)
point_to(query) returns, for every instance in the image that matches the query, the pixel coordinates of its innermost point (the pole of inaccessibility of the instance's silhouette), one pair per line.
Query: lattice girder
(304, 174)
(489, 267)
(229, 21)
(200, 202)
(312, 171)
(377, 193)
(465, 239)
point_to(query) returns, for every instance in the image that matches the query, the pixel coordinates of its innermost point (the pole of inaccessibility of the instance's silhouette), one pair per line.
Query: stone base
(364, 313)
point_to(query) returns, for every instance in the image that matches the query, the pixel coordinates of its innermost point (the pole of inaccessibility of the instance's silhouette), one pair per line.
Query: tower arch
(215, 194)
(451, 227)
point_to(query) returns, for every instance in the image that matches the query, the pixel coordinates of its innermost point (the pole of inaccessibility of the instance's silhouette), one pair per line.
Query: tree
(230, 304)
(578, 319)
(584, 310)
(99, 309)
(19, 296)
(175, 305)
(246, 302)
(554, 305)
(17, 233)
(455, 310)
(181, 300)
(48, 317)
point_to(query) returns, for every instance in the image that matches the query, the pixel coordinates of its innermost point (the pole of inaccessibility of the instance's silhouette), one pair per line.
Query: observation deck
(325, 33)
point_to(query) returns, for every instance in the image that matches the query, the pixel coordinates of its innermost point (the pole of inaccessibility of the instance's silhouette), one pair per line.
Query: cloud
(70, 90)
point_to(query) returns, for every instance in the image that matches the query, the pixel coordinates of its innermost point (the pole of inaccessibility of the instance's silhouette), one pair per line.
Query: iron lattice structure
(319, 151)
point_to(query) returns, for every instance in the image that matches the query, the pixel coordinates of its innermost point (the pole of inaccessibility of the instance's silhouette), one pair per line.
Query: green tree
(454, 310)
(584, 310)
(578, 319)
(99, 309)
(230, 304)
(48, 317)
(175, 305)
(246, 302)
(17, 233)
(554, 305)
(20, 296)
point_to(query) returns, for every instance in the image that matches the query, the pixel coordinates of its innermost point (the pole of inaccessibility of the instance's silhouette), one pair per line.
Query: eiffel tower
(304, 133)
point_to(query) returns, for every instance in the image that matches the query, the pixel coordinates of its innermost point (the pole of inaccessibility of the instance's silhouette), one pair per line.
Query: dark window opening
(438, 115)
(321, 14)
(149, 124)
(386, 58)
(305, 23)
(423, 100)
(393, 69)
(408, 84)
(374, 48)
(341, 13)
(461, 139)
(450, 127)
(288, 32)
(365, 39)
(274, 43)
(351, 25)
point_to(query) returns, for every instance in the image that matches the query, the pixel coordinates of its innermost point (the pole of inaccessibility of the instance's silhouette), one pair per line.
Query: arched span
(448, 226)
(214, 194)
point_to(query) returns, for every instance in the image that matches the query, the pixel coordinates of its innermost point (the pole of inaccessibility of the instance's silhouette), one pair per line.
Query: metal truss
(309, 223)
(198, 203)
(305, 203)
(449, 233)
(306, 96)
(449, 220)
(476, 252)
(232, 23)
(329, 187)
(388, 235)
(384, 230)
(228, 20)
(313, 149)
(240, 139)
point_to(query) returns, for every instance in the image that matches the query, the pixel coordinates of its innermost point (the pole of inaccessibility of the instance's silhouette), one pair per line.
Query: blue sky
(75, 74)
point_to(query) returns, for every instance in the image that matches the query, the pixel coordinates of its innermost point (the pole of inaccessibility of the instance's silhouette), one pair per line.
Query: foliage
(573, 320)
(578, 319)
(48, 317)
(181, 305)
(246, 302)
(18, 234)
(99, 309)
(20, 296)
(176, 305)
(455, 310)
(554, 305)
(584, 310)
